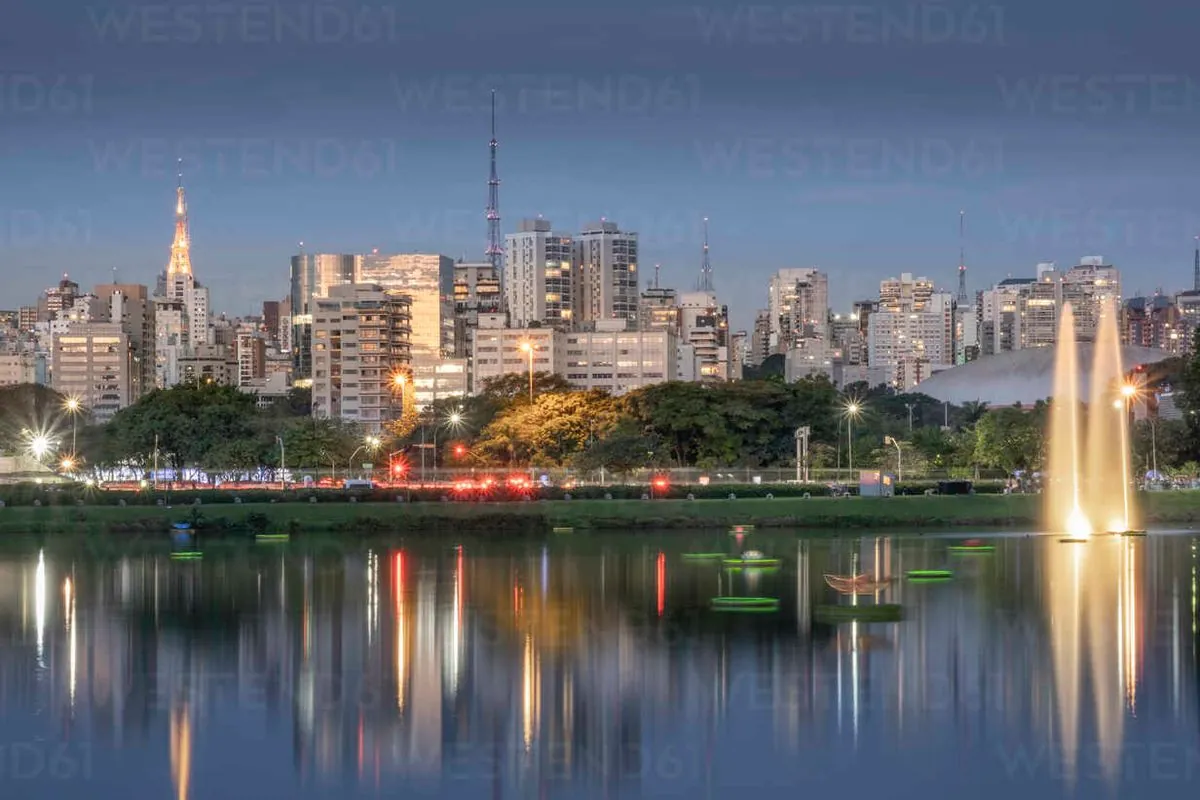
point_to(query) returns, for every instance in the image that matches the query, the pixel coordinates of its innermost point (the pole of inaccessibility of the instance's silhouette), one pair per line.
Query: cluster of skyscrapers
(373, 334)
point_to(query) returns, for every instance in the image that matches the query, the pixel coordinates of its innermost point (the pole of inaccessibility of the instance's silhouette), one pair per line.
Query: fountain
(1088, 489)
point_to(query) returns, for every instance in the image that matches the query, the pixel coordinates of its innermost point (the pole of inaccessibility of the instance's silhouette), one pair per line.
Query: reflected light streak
(39, 606)
(372, 596)
(181, 750)
(401, 631)
(69, 604)
(660, 578)
(455, 642)
(529, 691)
(1129, 625)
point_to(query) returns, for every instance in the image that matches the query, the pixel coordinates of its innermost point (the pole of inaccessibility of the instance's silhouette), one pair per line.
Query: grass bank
(541, 517)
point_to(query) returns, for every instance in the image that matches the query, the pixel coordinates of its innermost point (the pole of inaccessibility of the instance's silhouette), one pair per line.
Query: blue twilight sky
(845, 136)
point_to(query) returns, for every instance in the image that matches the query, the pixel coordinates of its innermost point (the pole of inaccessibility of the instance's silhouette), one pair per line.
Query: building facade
(538, 276)
(605, 282)
(313, 275)
(94, 361)
(361, 345)
(798, 304)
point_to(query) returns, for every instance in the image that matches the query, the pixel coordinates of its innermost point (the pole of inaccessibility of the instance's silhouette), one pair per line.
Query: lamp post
(73, 407)
(527, 347)
(282, 462)
(370, 443)
(851, 410)
(910, 407)
(899, 457)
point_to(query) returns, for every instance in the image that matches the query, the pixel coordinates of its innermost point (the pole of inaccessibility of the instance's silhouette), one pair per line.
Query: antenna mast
(706, 281)
(494, 251)
(962, 262)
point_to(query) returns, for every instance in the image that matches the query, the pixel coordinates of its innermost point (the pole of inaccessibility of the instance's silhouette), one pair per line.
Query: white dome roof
(1020, 376)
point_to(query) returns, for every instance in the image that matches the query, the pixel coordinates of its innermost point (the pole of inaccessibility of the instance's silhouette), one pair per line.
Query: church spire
(181, 259)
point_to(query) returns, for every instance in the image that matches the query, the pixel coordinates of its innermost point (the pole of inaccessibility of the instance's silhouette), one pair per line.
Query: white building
(619, 360)
(360, 341)
(538, 284)
(94, 362)
(913, 336)
(16, 368)
(610, 357)
(606, 274)
(502, 351)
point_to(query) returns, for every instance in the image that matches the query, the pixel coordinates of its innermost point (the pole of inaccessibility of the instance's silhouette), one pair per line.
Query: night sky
(846, 137)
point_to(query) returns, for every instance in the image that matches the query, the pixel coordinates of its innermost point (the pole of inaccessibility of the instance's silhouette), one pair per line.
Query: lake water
(595, 667)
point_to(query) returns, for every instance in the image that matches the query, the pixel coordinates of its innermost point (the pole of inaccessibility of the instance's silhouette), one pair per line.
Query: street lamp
(40, 445)
(899, 463)
(527, 347)
(282, 462)
(72, 406)
(851, 410)
(371, 443)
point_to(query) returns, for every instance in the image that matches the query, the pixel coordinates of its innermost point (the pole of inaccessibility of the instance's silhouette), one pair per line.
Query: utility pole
(910, 407)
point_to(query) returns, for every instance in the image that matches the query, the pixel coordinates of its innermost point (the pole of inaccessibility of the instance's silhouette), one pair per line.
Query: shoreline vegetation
(300, 516)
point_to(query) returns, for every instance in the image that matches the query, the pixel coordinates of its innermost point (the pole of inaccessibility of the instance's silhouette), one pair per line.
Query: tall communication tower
(962, 262)
(706, 281)
(494, 250)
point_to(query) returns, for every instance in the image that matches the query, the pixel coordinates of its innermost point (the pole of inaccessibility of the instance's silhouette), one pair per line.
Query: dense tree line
(749, 423)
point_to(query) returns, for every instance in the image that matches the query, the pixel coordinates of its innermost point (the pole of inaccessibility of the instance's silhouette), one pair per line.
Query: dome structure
(1020, 376)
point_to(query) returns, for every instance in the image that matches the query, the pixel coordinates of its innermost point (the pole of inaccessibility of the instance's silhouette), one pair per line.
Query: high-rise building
(659, 310)
(361, 343)
(912, 333)
(270, 319)
(313, 276)
(798, 302)
(538, 275)
(27, 318)
(739, 343)
(56, 298)
(94, 362)
(251, 357)
(1087, 288)
(1154, 322)
(704, 338)
(760, 339)
(209, 363)
(503, 351)
(476, 292)
(605, 284)
(428, 280)
(130, 305)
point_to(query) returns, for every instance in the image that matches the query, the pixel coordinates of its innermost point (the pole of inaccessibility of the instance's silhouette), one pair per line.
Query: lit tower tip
(181, 259)
(706, 281)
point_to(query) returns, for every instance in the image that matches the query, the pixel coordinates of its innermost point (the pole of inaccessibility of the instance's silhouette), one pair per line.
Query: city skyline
(1049, 163)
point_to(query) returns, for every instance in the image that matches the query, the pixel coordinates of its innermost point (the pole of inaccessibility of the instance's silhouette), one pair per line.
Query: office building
(476, 292)
(502, 351)
(912, 332)
(428, 281)
(619, 360)
(605, 284)
(703, 339)
(130, 305)
(1087, 288)
(313, 275)
(538, 276)
(56, 298)
(27, 318)
(251, 357)
(760, 339)
(1154, 322)
(798, 304)
(361, 342)
(658, 310)
(94, 362)
(17, 368)
(209, 363)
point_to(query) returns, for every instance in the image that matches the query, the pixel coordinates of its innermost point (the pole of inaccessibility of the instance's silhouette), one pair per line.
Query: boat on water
(856, 584)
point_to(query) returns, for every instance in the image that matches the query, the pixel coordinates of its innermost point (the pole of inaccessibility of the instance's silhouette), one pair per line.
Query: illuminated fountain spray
(1089, 488)
(1064, 493)
(1109, 499)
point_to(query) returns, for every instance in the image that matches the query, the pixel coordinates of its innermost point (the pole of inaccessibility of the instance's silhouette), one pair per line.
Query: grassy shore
(541, 518)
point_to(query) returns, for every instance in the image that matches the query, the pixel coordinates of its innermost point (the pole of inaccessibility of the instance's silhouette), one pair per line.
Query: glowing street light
(68, 464)
(527, 347)
(73, 406)
(851, 411)
(40, 445)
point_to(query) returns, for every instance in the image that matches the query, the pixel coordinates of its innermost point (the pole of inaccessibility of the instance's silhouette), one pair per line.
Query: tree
(625, 448)
(514, 386)
(551, 431)
(1009, 439)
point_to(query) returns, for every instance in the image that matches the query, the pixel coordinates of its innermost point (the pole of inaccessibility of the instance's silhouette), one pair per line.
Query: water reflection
(595, 667)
